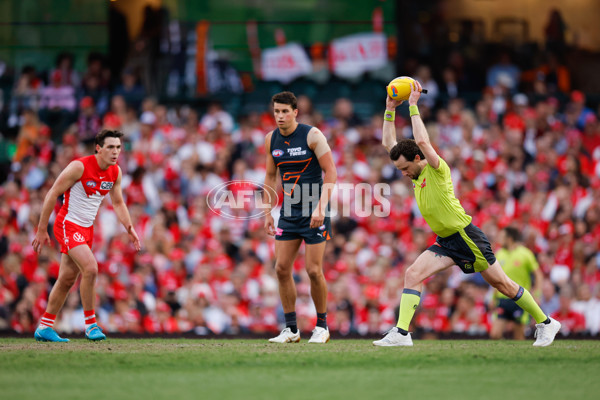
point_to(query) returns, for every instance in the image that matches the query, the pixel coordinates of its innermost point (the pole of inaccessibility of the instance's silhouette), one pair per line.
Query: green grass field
(254, 369)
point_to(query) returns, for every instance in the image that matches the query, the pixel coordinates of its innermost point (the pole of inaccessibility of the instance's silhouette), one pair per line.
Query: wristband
(389, 115)
(414, 110)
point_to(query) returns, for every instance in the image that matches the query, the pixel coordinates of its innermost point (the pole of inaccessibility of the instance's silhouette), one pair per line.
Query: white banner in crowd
(353, 55)
(285, 63)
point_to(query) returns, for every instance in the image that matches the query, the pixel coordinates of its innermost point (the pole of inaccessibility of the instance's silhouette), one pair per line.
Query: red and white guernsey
(83, 199)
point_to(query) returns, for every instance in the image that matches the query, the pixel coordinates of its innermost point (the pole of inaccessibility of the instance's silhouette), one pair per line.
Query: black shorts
(290, 228)
(469, 248)
(508, 310)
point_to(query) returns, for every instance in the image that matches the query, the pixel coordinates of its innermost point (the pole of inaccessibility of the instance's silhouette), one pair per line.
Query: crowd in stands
(526, 154)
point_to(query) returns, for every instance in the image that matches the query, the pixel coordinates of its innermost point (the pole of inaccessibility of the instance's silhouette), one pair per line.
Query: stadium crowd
(529, 160)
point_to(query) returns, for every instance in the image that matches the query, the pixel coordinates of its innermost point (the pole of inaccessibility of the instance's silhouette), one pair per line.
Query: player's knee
(90, 271)
(70, 281)
(412, 277)
(314, 272)
(65, 283)
(283, 271)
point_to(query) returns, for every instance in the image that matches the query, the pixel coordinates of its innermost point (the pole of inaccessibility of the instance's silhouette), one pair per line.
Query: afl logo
(78, 237)
(277, 153)
(90, 184)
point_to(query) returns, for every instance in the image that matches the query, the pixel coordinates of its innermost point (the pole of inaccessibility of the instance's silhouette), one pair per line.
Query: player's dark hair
(285, 98)
(103, 134)
(513, 233)
(407, 148)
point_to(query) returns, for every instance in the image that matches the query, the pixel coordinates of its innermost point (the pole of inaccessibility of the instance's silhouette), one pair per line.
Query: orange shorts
(70, 235)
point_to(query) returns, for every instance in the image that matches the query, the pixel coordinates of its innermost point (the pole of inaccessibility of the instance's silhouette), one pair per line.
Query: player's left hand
(133, 236)
(317, 218)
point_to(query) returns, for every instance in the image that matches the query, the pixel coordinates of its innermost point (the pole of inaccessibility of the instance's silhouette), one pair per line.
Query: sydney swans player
(301, 154)
(84, 183)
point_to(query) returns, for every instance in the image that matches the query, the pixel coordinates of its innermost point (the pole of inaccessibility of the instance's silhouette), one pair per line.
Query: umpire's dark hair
(407, 148)
(513, 233)
(285, 98)
(103, 134)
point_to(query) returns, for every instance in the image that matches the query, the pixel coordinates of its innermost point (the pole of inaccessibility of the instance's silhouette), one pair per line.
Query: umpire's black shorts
(469, 248)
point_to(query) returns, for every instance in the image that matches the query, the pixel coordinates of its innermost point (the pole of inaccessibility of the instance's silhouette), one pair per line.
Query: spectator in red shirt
(572, 322)
(466, 318)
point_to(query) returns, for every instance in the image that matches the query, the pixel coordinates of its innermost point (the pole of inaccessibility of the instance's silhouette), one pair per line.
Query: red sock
(89, 317)
(48, 320)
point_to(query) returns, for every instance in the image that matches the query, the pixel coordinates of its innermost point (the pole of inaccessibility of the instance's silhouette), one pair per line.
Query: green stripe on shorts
(481, 263)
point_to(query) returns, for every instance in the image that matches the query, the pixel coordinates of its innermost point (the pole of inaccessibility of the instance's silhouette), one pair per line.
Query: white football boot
(545, 333)
(394, 338)
(319, 335)
(286, 336)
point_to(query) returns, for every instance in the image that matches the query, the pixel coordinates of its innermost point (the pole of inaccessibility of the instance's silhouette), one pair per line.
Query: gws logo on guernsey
(277, 153)
(78, 237)
(91, 184)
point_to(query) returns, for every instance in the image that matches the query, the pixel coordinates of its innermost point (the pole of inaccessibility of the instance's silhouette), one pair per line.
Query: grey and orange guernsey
(302, 180)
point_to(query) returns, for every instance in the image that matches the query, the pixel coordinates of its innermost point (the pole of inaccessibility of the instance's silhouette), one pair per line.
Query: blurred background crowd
(519, 130)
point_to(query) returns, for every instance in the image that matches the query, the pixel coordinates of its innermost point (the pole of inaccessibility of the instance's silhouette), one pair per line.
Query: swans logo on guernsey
(277, 153)
(78, 237)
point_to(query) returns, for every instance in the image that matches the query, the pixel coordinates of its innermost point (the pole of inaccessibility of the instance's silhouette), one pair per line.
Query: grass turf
(254, 369)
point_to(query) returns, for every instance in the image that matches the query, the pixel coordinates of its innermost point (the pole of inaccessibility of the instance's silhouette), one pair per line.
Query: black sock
(322, 320)
(547, 321)
(402, 331)
(290, 321)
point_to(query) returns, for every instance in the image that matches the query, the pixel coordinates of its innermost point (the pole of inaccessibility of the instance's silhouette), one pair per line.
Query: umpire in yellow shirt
(459, 242)
(520, 265)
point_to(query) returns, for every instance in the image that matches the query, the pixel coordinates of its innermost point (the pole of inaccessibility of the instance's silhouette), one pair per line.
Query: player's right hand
(270, 225)
(391, 104)
(41, 238)
(415, 93)
(133, 236)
